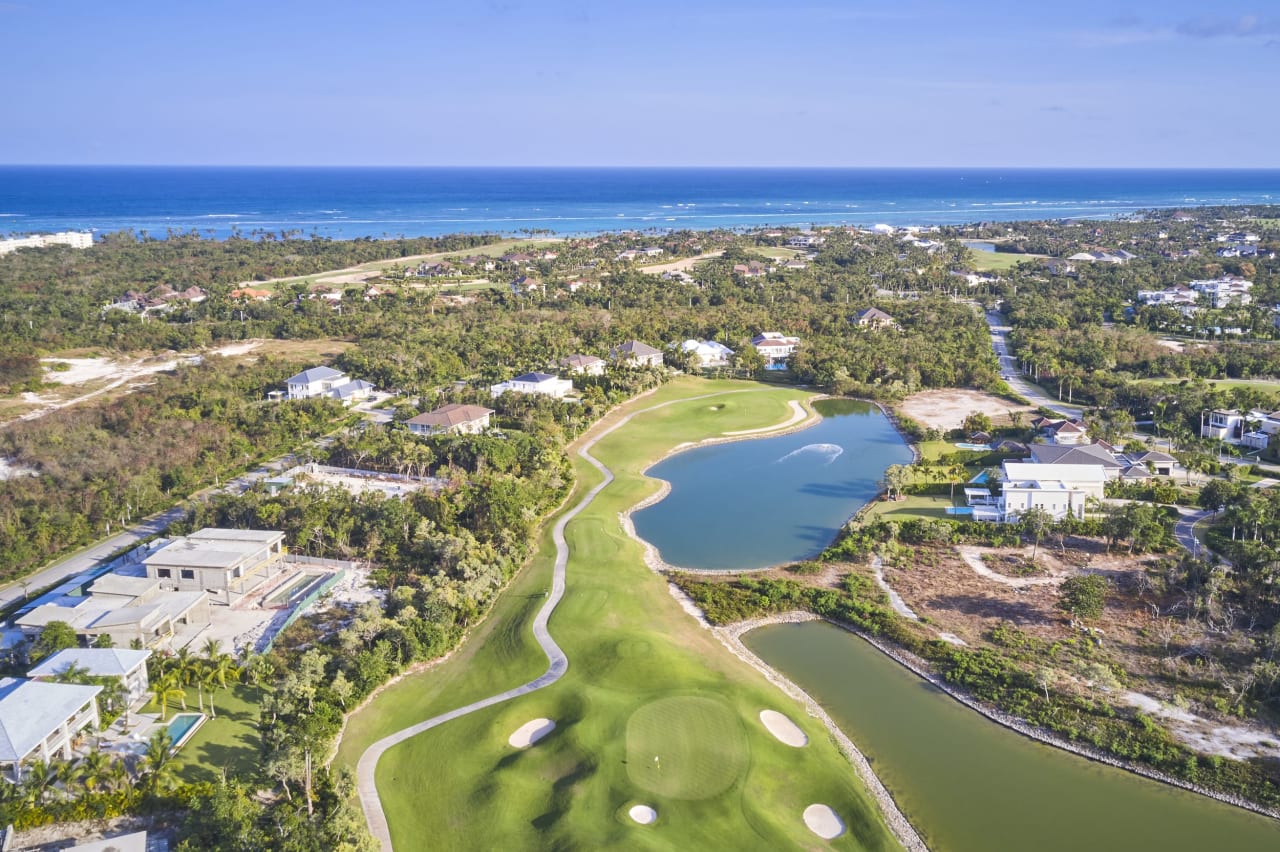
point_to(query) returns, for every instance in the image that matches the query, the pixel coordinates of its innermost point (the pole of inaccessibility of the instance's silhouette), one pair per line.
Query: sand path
(973, 559)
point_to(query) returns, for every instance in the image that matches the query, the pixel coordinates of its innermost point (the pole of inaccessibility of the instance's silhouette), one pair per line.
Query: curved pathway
(559, 663)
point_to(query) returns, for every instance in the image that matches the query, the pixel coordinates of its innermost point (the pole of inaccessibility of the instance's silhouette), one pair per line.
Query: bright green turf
(631, 649)
(997, 261)
(230, 742)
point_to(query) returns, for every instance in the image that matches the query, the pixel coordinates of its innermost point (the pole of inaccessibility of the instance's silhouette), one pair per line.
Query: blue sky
(512, 82)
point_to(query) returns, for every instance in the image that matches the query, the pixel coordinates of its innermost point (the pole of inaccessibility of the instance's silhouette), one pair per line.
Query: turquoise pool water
(967, 445)
(181, 727)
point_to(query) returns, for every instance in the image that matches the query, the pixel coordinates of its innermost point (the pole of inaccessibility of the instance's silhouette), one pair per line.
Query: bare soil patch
(947, 409)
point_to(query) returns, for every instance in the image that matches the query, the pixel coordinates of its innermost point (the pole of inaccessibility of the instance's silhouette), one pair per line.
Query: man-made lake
(769, 501)
(969, 785)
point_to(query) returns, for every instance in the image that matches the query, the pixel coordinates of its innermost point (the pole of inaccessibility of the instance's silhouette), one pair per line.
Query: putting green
(685, 747)
(632, 649)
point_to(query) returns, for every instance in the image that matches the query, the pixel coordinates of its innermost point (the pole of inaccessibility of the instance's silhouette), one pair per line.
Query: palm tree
(92, 770)
(222, 669)
(155, 769)
(211, 649)
(37, 780)
(74, 673)
(164, 691)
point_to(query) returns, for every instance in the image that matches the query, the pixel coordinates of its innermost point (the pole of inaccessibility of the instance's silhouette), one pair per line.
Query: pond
(970, 785)
(770, 501)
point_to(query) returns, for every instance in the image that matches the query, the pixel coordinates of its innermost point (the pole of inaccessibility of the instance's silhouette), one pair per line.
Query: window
(163, 573)
(188, 574)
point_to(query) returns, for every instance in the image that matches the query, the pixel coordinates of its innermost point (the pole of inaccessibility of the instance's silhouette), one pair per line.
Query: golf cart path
(558, 662)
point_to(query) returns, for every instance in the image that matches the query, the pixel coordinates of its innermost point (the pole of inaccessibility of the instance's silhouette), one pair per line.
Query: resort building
(584, 365)
(1225, 290)
(75, 239)
(543, 384)
(452, 418)
(805, 241)
(633, 353)
(42, 721)
(225, 564)
(328, 382)
(1111, 463)
(124, 664)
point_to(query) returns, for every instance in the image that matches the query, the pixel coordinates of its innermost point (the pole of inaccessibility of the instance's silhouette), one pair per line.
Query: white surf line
(366, 768)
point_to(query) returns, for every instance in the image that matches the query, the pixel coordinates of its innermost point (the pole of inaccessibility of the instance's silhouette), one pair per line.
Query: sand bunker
(785, 730)
(643, 814)
(530, 732)
(823, 821)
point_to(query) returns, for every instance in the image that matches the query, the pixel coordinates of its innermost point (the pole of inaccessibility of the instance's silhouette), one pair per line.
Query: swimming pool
(980, 478)
(966, 445)
(181, 727)
(959, 510)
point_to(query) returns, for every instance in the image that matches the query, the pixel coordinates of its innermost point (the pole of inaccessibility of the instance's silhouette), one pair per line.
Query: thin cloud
(1246, 26)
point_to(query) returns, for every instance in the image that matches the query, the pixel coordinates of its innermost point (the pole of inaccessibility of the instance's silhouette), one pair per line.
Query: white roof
(31, 710)
(136, 842)
(1025, 471)
(100, 662)
(213, 548)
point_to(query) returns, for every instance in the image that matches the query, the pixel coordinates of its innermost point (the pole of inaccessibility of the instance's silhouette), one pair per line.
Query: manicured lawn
(1268, 385)
(997, 261)
(644, 681)
(229, 742)
(912, 506)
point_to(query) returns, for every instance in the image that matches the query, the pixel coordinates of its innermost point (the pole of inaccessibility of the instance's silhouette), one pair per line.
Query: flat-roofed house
(124, 664)
(1059, 489)
(543, 384)
(223, 563)
(110, 609)
(1225, 424)
(135, 842)
(633, 353)
(42, 721)
(452, 418)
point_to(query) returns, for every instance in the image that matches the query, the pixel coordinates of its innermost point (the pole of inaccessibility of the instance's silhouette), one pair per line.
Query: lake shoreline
(920, 668)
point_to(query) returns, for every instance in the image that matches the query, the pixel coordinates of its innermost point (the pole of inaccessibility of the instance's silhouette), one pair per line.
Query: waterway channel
(769, 501)
(970, 785)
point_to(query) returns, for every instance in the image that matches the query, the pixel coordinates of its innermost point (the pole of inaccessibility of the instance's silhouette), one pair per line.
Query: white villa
(544, 384)
(454, 418)
(326, 381)
(41, 721)
(225, 564)
(1225, 290)
(633, 353)
(1059, 489)
(124, 664)
(707, 352)
(775, 346)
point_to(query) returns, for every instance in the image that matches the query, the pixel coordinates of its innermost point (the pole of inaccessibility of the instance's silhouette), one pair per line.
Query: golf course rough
(644, 681)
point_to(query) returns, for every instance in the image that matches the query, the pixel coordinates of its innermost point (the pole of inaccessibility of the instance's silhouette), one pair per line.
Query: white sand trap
(643, 814)
(785, 730)
(530, 732)
(823, 822)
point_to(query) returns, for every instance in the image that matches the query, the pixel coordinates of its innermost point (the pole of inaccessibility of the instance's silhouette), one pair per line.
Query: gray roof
(1083, 454)
(315, 374)
(100, 662)
(31, 710)
(534, 377)
(352, 388)
(634, 348)
(136, 842)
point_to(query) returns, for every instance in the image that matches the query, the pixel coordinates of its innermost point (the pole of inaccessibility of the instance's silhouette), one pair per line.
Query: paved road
(1184, 529)
(558, 663)
(1009, 369)
(154, 525)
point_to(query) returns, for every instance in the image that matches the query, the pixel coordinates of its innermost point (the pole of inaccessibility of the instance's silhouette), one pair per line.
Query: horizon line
(649, 166)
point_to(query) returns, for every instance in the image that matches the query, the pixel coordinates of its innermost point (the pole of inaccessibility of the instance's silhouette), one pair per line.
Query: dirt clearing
(947, 409)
